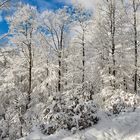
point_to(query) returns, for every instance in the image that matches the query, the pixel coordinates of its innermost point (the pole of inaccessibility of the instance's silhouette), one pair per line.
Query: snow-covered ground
(126, 126)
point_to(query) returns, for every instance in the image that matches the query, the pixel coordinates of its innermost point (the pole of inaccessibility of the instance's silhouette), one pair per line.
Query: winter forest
(70, 73)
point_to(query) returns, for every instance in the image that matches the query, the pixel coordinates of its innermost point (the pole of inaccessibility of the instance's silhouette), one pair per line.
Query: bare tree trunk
(83, 60)
(21, 128)
(30, 76)
(113, 34)
(60, 60)
(135, 44)
(59, 73)
(30, 73)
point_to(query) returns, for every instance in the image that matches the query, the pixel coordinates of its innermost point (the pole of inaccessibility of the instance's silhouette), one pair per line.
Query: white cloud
(90, 4)
(87, 3)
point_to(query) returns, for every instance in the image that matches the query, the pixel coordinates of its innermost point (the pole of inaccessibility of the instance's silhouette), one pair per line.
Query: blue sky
(45, 4)
(40, 4)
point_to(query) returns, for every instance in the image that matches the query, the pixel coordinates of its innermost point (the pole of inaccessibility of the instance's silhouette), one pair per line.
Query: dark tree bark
(60, 59)
(83, 55)
(30, 75)
(112, 19)
(30, 65)
(59, 73)
(135, 6)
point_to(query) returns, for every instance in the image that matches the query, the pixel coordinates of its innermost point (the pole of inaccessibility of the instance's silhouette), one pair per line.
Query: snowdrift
(125, 126)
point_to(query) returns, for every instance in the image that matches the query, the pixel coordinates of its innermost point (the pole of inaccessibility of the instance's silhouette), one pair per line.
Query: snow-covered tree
(23, 30)
(55, 28)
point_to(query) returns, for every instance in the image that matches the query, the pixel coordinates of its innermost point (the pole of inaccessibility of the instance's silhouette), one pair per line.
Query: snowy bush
(75, 113)
(117, 101)
(74, 117)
